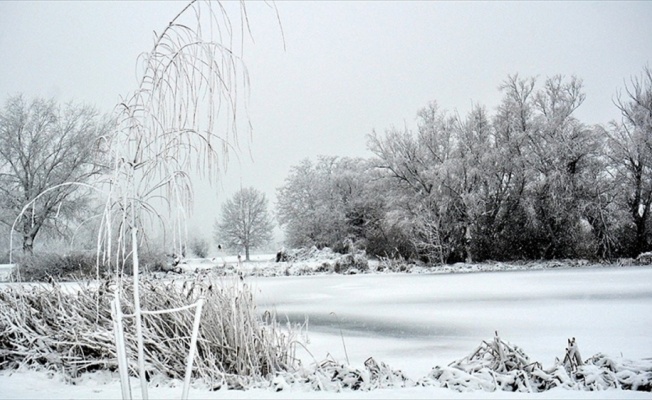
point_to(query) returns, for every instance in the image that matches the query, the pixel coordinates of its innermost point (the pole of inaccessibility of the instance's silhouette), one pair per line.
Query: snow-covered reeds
(497, 365)
(332, 376)
(72, 331)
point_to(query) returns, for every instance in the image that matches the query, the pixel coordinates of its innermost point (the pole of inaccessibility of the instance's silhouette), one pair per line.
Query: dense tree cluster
(529, 181)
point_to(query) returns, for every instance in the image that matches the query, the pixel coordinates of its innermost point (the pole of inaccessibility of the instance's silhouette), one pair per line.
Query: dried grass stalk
(72, 330)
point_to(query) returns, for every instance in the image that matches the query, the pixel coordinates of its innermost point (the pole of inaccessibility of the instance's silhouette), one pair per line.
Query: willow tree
(183, 117)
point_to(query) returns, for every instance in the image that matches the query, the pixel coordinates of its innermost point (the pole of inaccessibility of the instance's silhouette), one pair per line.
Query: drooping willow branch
(184, 116)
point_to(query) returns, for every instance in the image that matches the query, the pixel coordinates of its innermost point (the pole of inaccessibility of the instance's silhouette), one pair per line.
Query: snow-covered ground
(413, 322)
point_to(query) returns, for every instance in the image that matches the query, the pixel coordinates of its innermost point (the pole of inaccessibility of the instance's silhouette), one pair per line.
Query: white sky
(348, 67)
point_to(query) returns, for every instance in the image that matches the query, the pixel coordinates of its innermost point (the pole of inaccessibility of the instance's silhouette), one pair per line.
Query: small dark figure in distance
(281, 256)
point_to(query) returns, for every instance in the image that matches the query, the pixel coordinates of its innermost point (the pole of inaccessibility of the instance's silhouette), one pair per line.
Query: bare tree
(245, 221)
(42, 146)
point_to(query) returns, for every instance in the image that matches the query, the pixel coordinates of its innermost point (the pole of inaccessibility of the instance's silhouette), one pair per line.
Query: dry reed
(72, 331)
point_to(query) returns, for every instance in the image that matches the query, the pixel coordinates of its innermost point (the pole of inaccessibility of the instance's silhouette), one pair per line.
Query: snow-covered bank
(312, 261)
(43, 385)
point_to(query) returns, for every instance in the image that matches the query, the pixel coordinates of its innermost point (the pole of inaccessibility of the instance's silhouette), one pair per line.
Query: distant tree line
(528, 181)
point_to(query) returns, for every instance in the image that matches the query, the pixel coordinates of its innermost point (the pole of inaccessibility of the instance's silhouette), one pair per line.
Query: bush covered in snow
(314, 261)
(199, 246)
(58, 267)
(73, 266)
(332, 376)
(644, 258)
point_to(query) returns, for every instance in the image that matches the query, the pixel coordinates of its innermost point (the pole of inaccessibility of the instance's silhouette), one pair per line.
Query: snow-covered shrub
(350, 262)
(644, 258)
(396, 265)
(74, 266)
(325, 267)
(73, 332)
(281, 256)
(333, 376)
(44, 267)
(495, 365)
(308, 261)
(623, 374)
(199, 246)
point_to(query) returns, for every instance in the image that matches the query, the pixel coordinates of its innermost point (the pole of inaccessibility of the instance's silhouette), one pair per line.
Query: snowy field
(414, 322)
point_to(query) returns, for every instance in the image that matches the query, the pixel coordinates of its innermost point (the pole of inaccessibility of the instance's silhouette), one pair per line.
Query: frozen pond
(414, 322)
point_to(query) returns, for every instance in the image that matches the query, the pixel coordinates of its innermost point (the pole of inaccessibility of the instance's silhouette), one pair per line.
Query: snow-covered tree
(548, 162)
(559, 147)
(473, 173)
(307, 209)
(529, 181)
(630, 153)
(245, 221)
(418, 167)
(508, 223)
(330, 204)
(480, 187)
(42, 146)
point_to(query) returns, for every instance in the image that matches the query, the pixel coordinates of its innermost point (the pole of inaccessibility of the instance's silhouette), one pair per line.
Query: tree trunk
(639, 215)
(641, 240)
(467, 244)
(639, 210)
(246, 253)
(28, 244)
(31, 227)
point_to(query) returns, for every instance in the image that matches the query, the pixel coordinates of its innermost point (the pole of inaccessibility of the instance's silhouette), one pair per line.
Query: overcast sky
(347, 67)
